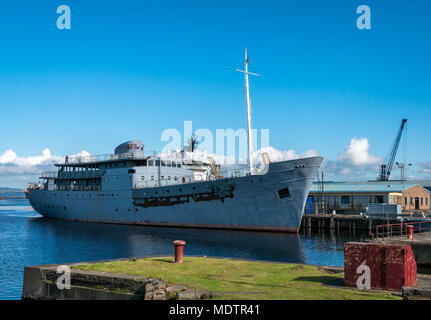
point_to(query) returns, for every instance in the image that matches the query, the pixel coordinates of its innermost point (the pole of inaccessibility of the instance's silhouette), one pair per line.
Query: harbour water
(26, 238)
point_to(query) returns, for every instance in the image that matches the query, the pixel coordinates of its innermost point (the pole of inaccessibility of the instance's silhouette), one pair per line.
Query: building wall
(349, 202)
(356, 203)
(422, 195)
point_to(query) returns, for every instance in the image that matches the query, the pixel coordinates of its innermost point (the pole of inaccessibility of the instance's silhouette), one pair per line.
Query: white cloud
(354, 160)
(10, 157)
(276, 155)
(17, 171)
(357, 154)
(423, 170)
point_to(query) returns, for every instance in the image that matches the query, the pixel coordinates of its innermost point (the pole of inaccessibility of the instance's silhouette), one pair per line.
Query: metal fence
(400, 229)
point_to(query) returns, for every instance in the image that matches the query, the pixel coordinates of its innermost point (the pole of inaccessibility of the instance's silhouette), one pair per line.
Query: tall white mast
(248, 104)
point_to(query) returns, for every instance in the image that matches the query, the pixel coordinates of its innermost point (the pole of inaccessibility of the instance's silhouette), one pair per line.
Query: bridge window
(150, 163)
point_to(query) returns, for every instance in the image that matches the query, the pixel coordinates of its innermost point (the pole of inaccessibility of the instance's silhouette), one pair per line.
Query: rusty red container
(392, 266)
(375, 258)
(400, 267)
(354, 255)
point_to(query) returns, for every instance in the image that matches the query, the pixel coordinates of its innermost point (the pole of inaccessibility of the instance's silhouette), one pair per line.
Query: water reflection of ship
(75, 242)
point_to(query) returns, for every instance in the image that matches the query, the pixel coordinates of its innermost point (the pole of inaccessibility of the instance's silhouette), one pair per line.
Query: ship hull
(257, 202)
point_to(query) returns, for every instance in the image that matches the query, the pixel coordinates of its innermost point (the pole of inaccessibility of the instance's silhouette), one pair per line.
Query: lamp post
(402, 168)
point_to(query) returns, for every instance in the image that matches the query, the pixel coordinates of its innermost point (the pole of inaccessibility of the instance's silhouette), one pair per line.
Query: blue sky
(131, 69)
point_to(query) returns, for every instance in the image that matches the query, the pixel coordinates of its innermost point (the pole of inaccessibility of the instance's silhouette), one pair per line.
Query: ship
(135, 188)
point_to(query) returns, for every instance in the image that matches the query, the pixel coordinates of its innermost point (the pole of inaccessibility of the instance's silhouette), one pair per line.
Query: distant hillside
(10, 189)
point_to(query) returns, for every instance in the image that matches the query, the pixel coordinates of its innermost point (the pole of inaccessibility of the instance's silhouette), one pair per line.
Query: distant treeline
(3, 198)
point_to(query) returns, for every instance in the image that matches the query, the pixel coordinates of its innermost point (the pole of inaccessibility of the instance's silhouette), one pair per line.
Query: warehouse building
(354, 197)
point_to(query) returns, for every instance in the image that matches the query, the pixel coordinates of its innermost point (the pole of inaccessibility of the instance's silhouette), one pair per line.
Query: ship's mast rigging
(248, 104)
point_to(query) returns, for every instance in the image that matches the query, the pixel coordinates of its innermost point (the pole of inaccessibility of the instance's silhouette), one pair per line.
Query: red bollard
(409, 228)
(179, 250)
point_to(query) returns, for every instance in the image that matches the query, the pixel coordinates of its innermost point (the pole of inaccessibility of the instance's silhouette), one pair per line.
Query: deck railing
(104, 157)
(49, 175)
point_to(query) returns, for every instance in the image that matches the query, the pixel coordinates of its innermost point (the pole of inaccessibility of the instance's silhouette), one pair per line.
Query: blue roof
(362, 187)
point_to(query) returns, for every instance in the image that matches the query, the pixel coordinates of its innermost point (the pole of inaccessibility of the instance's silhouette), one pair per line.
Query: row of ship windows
(163, 178)
(176, 178)
(164, 163)
(149, 163)
(136, 209)
(152, 178)
(64, 208)
(89, 195)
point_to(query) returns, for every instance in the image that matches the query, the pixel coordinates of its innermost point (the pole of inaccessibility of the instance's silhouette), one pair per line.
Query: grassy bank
(237, 279)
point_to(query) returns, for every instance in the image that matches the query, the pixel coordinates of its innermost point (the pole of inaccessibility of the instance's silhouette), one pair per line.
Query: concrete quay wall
(40, 283)
(341, 222)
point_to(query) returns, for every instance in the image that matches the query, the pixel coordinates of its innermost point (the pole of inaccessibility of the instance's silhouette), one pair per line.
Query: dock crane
(386, 167)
